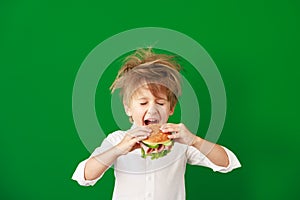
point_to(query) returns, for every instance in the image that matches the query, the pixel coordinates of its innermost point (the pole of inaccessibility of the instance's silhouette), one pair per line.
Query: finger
(140, 134)
(140, 138)
(137, 139)
(139, 131)
(145, 128)
(170, 129)
(174, 136)
(166, 125)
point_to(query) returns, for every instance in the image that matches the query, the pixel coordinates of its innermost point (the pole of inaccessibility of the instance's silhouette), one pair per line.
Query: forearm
(98, 164)
(214, 152)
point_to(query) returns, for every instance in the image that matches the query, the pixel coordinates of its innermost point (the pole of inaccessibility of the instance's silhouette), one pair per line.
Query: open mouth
(151, 121)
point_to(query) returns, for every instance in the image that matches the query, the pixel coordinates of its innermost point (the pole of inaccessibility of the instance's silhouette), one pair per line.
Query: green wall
(255, 45)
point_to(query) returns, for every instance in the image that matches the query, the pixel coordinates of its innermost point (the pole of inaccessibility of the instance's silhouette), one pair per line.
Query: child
(150, 86)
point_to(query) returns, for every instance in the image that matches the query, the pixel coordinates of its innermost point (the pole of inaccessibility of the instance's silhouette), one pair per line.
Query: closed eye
(161, 103)
(143, 103)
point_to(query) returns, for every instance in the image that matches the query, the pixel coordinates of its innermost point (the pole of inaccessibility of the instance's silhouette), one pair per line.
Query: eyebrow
(142, 98)
(156, 98)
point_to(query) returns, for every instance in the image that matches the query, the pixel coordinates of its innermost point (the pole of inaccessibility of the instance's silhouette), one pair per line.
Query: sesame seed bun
(157, 136)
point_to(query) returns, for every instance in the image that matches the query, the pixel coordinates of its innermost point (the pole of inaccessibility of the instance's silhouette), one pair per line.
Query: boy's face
(144, 108)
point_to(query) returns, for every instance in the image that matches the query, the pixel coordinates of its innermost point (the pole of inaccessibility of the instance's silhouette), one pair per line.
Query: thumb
(135, 146)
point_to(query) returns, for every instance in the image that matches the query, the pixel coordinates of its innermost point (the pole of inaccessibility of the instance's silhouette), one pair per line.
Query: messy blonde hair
(159, 72)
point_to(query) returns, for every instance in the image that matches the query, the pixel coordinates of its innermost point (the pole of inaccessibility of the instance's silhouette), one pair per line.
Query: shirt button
(149, 195)
(149, 178)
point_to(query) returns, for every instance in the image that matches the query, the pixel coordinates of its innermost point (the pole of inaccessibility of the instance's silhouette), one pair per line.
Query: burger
(157, 144)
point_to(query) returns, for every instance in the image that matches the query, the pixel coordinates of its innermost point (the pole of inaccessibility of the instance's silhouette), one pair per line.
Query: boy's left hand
(180, 133)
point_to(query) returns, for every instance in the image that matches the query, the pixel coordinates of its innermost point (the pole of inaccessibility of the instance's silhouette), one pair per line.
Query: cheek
(137, 110)
(165, 111)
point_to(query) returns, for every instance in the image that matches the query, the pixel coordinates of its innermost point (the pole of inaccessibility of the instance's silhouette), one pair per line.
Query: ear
(172, 111)
(127, 109)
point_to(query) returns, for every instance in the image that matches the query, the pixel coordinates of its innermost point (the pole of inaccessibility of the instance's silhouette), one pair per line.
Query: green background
(254, 44)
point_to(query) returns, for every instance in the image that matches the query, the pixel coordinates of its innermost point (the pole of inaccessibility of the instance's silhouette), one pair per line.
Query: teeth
(151, 121)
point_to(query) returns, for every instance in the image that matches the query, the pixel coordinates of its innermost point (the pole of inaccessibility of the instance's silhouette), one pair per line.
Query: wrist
(118, 151)
(193, 140)
(197, 141)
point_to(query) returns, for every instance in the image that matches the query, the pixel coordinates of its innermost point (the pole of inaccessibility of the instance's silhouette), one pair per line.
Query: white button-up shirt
(137, 178)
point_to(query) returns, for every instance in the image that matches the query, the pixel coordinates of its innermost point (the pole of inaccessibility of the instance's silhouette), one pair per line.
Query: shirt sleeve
(79, 175)
(107, 143)
(195, 157)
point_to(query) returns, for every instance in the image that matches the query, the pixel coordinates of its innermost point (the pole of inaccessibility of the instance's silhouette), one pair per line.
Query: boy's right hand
(132, 138)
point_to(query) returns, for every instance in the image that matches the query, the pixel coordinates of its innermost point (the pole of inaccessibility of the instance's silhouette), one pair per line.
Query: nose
(152, 109)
